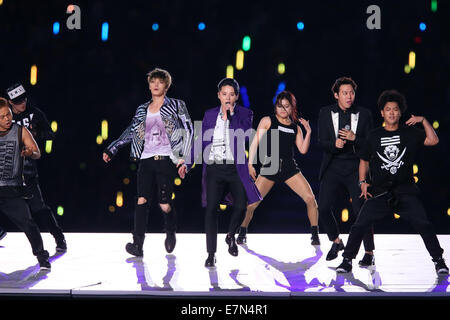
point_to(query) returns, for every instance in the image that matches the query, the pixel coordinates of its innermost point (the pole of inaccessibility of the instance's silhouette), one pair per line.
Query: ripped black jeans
(160, 173)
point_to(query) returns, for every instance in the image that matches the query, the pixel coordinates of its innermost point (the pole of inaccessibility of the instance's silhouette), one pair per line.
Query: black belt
(159, 157)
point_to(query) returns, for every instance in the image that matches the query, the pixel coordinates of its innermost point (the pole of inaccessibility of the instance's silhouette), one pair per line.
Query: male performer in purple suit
(225, 165)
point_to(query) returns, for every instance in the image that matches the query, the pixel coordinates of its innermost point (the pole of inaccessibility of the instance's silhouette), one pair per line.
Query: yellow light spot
(60, 210)
(435, 124)
(412, 59)
(448, 212)
(384, 124)
(119, 199)
(173, 195)
(416, 179)
(246, 154)
(99, 139)
(1, 2)
(230, 71)
(126, 181)
(111, 208)
(281, 68)
(396, 216)
(223, 207)
(33, 75)
(193, 166)
(407, 69)
(104, 129)
(239, 60)
(177, 181)
(344, 215)
(54, 126)
(48, 146)
(415, 168)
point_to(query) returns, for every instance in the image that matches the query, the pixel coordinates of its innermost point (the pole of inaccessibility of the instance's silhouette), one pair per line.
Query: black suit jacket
(327, 135)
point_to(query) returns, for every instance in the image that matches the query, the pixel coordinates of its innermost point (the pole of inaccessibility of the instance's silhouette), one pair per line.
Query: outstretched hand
(106, 158)
(414, 119)
(364, 191)
(305, 124)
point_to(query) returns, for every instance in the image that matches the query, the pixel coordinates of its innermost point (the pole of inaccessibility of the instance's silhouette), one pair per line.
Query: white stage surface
(270, 265)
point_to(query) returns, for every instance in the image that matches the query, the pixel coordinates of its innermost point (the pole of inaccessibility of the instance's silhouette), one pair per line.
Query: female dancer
(284, 122)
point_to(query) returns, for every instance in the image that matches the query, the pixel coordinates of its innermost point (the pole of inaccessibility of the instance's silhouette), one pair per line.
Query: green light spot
(246, 42)
(60, 211)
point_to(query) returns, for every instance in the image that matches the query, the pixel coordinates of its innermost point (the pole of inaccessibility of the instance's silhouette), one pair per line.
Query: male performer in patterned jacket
(160, 135)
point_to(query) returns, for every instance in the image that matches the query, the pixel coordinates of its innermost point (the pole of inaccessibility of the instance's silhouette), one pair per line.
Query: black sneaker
(367, 261)
(441, 267)
(242, 236)
(44, 264)
(315, 241)
(345, 266)
(170, 241)
(210, 261)
(335, 248)
(134, 249)
(232, 247)
(2, 234)
(61, 245)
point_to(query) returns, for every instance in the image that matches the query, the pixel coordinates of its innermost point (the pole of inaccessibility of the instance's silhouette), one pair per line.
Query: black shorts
(160, 172)
(286, 170)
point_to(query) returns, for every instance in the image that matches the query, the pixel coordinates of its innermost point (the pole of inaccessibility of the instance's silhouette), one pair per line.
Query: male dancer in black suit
(343, 128)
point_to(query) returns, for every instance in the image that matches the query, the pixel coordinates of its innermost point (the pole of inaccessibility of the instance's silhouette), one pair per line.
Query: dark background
(83, 80)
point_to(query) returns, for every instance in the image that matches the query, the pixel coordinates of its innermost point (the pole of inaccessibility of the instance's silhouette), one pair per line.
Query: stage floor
(270, 265)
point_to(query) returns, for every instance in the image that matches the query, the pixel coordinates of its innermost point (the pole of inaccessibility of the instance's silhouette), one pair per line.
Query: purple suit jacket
(242, 119)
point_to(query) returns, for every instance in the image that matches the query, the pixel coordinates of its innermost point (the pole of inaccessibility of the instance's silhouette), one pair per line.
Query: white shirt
(156, 140)
(220, 149)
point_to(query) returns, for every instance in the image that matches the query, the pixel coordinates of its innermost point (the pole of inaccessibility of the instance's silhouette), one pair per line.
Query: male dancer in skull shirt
(388, 156)
(36, 122)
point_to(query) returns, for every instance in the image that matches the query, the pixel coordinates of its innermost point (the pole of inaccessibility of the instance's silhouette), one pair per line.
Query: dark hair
(340, 81)
(392, 96)
(3, 102)
(289, 96)
(162, 74)
(229, 82)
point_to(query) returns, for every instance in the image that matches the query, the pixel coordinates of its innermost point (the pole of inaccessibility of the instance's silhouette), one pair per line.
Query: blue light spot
(300, 25)
(281, 87)
(105, 29)
(244, 95)
(155, 26)
(201, 26)
(422, 26)
(56, 28)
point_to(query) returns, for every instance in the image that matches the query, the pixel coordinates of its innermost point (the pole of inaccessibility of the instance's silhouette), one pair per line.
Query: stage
(284, 266)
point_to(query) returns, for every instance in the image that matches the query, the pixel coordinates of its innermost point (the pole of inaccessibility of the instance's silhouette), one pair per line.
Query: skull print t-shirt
(391, 157)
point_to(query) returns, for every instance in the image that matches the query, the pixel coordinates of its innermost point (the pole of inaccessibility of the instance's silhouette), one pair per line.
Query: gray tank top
(11, 163)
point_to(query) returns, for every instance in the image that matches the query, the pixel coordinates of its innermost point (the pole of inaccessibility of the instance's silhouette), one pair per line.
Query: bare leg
(300, 186)
(264, 185)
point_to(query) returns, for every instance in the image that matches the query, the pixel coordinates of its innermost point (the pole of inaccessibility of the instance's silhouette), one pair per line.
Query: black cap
(16, 93)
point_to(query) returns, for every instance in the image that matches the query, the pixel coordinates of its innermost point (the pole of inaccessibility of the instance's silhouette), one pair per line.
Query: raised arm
(431, 136)
(303, 143)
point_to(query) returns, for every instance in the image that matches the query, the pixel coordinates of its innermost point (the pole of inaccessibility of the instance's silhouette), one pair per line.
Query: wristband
(361, 182)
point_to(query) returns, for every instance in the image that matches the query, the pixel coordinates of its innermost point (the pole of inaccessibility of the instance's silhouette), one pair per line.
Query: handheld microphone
(347, 127)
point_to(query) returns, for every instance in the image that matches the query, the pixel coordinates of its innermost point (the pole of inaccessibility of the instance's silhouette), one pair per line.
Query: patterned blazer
(178, 127)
